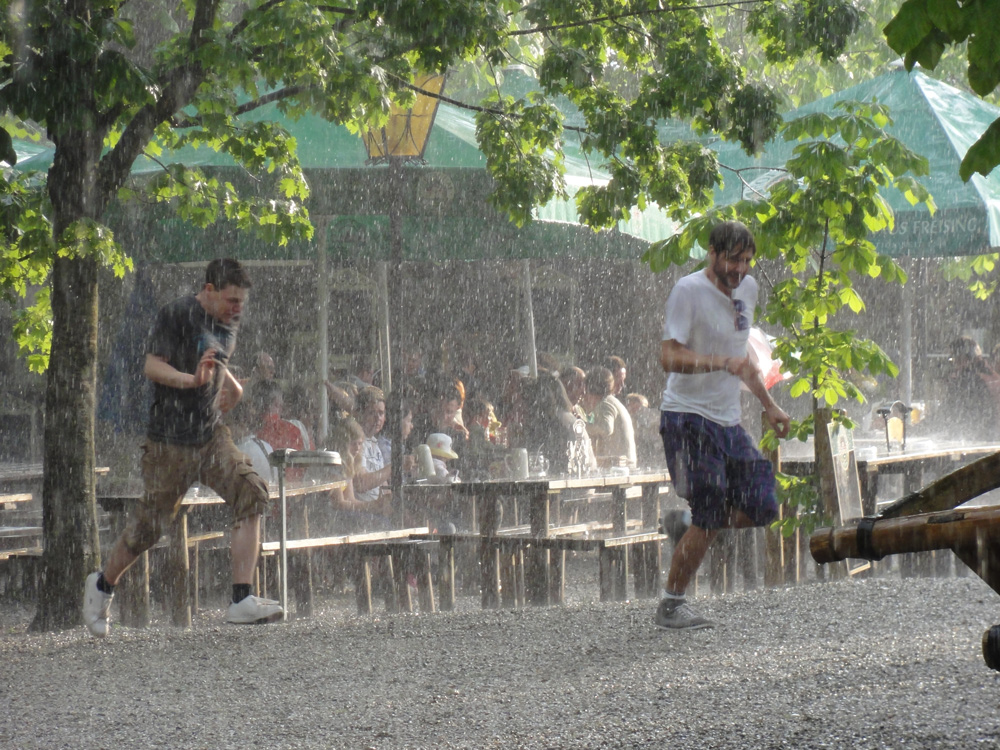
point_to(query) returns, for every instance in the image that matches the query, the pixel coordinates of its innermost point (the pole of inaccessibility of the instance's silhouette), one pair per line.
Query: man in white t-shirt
(713, 462)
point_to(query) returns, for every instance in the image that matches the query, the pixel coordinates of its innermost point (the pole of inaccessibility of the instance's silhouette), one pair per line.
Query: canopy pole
(385, 351)
(906, 370)
(394, 315)
(323, 326)
(529, 315)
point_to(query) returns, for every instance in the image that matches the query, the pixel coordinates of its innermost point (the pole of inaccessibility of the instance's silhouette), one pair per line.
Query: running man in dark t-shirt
(186, 355)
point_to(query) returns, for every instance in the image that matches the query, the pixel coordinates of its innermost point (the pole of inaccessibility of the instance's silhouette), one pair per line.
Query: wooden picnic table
(133, 589)
(911, 463)
(541, 495)
(21, 477)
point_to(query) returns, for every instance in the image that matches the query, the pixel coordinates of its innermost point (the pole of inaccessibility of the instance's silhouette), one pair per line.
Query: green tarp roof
(333, 157)
(937, 121)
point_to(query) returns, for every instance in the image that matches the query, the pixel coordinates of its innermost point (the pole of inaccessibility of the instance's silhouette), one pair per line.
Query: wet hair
(600, 381)
(965, 347)
(731, 237)
(263, 396)
(615, 363)
(223, 272)
(637, 398)
(475, 408)
(368, 397)
(342, 433)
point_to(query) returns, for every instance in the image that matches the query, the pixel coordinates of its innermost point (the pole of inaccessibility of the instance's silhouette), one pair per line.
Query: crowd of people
(561, 415)
(209, 425)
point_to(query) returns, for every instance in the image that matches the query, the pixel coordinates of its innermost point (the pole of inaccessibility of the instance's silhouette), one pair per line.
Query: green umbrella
(935, 120)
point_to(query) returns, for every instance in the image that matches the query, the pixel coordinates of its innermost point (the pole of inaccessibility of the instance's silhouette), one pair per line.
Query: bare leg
(688, 554)
(244, 548)
(119, 560)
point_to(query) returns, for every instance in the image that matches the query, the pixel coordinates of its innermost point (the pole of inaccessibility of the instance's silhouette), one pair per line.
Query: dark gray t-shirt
(183, 331)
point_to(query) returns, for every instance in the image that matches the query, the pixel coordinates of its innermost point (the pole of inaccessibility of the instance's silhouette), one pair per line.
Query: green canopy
(446, 215)
(935, 120)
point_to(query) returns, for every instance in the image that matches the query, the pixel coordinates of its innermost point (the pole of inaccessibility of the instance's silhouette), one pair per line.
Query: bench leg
(425, 581)
(536, 582)
(400, 588)
(300, 576)
(489, 564)
(605, 574)
(363, 585)
(177, 573)
(508, 578)
(132, 594)
(446, 575)
(196, 580)
(557, 576)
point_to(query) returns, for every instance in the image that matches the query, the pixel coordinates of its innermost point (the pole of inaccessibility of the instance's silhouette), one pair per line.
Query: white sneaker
(254, 610)
(96, 607)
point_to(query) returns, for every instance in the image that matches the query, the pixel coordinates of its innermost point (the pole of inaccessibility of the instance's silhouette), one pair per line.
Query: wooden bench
(521, 579)
(20, 571)
(12, 500)
(356, 550)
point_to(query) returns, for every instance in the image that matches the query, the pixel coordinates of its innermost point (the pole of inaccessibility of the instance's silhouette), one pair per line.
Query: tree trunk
(69, 511)
(69, 516)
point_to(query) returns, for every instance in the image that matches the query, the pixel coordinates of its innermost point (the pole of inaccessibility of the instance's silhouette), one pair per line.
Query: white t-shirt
(702, 318)
(371, 458)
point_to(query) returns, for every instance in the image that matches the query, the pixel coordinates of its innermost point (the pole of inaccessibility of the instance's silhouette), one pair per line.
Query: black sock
(240, 591)
(103, 585)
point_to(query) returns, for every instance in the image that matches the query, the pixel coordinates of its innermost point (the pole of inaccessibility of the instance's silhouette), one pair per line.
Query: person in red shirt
(280, 433)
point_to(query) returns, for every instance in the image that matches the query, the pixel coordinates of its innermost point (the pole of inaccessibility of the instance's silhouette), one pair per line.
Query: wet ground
(885, 663)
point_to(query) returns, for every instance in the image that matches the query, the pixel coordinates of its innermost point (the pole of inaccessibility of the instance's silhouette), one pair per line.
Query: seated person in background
(549, 426)
(241, 421)
(480, 451)
(371, 480)
(300, 403)
(353, 514)
(341, 397)
(441, 452)
(406, 428)
(610, 425)
(646, 428)
(442, 411)
(364, 372)
(971, 394)
(268, 402)
(618, 370)
(574, 380)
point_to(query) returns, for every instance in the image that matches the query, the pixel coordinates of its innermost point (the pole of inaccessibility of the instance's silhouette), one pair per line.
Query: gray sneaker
(253, 611)
(680, 617)
(96, 607)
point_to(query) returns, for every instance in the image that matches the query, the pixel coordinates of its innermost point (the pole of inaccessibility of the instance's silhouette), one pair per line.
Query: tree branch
(633, 14)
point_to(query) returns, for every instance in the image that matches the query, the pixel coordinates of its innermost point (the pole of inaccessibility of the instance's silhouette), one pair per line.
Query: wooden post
(177, 573)
(489, 555)
(777, 549)
(536, 558)
(827, 480)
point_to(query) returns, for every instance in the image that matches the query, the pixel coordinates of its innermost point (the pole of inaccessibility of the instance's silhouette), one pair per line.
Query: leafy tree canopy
(923, 30)
(110, 80)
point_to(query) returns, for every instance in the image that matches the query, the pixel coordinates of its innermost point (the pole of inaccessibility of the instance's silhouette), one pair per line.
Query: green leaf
(983, 155)
(909, 27)
(7, 152)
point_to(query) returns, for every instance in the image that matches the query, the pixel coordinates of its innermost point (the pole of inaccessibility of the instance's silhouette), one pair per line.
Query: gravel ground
(884, 663)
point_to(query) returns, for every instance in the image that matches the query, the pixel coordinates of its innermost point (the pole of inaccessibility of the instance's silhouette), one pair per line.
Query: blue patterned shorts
(717, 469)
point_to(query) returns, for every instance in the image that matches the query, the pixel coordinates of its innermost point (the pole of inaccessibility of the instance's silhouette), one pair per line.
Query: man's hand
(778, 420)
(206, 368)
(409, 463)
(741, 367)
